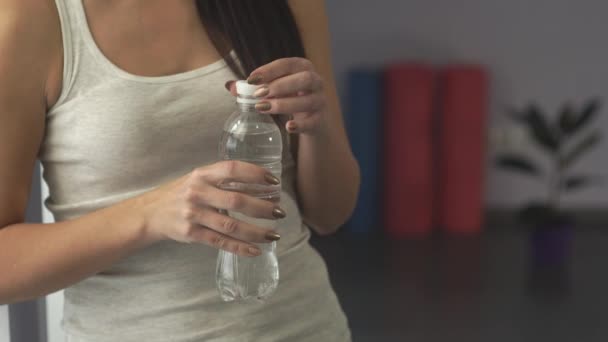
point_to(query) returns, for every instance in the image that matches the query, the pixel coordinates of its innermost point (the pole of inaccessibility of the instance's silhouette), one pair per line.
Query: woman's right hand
(186, 209)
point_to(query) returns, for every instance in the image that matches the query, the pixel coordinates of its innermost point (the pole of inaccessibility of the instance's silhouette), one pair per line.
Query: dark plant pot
(551, 244)
(550, 251)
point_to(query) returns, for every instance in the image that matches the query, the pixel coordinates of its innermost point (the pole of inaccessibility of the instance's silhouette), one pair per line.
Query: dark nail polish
(273, 236)
(227, 85)
(262, 92)
(278, 213)
(271, 179)
(263, 106)
(254, 79)
(291, 126)
(254, 251)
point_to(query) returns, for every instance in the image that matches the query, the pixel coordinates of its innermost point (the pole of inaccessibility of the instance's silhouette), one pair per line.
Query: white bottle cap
(245, 92)
(244, 88)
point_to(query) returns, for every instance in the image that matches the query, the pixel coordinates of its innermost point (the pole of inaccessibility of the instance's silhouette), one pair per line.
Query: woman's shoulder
(30, 41)
(39, 15)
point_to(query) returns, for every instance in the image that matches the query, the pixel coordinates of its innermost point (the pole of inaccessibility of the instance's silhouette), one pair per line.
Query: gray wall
(545, 50)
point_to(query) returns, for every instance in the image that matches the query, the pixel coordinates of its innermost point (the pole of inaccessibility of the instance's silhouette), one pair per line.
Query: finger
(237, 201)
(307, 124)
(232, 227)
(304, 82)
(231, 87)
(289, 105)
(279, 68)
(224, 242)
(235, 171)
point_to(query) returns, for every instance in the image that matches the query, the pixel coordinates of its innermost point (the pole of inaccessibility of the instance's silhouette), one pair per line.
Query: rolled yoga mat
(463, 99)
(408, 149)
(363, 121)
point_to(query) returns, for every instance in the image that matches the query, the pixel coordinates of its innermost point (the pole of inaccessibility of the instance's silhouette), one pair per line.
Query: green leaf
(541, 130)
(517, 163)
(567, 119)
(576, 182)
(578, 150)
(588, 112)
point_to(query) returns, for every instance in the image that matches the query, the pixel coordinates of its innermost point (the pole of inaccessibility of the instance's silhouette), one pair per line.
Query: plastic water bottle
(255, 138)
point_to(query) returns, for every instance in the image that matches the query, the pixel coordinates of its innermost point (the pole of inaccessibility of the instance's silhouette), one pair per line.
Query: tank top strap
(73, 38)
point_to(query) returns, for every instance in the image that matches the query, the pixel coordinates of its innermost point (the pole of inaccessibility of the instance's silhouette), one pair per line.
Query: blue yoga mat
(363, 123)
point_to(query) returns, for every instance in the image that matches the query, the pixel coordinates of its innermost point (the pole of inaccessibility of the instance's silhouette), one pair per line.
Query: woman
(123, 102)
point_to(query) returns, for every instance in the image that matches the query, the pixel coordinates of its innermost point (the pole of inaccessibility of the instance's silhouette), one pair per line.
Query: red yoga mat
(463, 98)
(408, 162)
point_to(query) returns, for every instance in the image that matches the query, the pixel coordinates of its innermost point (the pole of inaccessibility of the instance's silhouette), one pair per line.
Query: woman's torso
(112, 135)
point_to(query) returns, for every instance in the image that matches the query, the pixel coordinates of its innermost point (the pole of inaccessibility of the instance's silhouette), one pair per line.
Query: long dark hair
(259, 31)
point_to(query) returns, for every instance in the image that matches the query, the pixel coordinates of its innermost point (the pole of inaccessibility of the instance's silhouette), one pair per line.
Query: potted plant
(564, 141)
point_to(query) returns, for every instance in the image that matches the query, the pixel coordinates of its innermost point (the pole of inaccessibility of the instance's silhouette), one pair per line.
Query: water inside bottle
(249, 277)
(257, 143)
(246, 277)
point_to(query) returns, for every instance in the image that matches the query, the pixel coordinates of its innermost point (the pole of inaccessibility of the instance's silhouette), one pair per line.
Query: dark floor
(469, 289)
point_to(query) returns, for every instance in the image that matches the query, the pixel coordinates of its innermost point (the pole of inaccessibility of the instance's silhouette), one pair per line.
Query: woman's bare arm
(36, 259)
(328, 174)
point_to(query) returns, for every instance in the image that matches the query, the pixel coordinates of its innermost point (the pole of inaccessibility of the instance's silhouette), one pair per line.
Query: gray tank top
(113, 135)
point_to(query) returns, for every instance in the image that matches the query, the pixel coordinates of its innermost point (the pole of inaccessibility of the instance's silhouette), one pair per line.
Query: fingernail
(254, 251)
(263, 106)
(291, 126)
(263, 91)
(273, 236)
(278, 213)
(227, 85)
(254, 79)
(272, 179)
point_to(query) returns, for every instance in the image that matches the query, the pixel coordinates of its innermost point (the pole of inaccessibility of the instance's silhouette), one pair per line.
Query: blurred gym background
(478, 127)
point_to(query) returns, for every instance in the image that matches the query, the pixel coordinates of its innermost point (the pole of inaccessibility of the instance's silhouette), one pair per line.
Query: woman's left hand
(290, 86)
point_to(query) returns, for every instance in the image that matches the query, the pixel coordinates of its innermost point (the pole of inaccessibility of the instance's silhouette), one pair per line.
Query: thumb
(231, 87)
